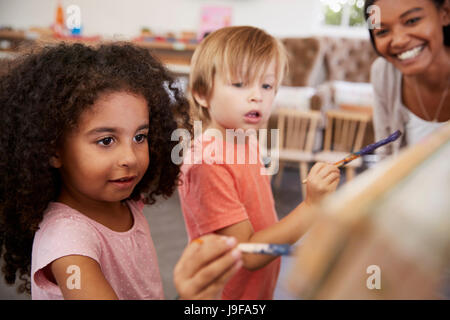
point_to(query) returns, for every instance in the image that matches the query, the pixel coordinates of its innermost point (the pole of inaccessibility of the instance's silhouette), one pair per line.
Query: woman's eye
(140, 138)
(105, 141)
(412, 20)
(381, 32)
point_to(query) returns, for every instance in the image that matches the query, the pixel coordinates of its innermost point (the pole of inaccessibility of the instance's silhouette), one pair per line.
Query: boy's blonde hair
(240, 52)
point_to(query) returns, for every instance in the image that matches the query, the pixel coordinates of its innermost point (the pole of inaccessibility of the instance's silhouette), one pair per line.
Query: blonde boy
(235, 74)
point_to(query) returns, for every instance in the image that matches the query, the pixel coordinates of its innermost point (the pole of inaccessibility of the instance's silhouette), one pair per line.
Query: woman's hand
(206, 264)
(322, 180)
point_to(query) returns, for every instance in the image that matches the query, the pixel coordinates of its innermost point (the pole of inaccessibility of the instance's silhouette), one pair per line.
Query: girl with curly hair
(86, 141)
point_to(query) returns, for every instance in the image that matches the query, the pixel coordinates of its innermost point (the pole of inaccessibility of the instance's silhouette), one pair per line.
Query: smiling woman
(411, 79)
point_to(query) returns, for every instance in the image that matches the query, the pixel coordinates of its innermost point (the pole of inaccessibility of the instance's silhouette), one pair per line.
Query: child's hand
(205, 266)
(322, 180)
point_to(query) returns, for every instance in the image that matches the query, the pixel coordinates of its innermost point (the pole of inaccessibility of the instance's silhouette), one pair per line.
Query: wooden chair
(344, 133)
(297, 134)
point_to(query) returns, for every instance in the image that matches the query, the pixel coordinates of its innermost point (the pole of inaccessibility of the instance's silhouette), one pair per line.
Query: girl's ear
(201, 100)
(55, 161)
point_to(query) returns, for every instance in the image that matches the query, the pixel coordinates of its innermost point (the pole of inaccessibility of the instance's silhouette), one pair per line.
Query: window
(345, 13)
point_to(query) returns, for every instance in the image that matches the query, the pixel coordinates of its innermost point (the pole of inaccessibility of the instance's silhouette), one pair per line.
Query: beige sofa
(313, 61)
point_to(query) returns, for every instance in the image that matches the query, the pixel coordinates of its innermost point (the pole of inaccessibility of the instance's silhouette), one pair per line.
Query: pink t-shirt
(127, 259)
(214, 196)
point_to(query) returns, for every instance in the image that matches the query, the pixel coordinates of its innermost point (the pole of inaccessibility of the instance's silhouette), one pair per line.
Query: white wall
(127, 17)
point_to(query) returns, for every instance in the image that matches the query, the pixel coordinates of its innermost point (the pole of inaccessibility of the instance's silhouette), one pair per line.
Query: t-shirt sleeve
(215, 198)
(63, 237)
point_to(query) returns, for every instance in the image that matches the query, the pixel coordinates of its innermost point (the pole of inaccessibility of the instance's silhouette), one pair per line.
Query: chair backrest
(297, 129)
(345, 130)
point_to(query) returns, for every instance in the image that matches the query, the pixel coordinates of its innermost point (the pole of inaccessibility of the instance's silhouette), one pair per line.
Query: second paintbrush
(266, 248)
(367, 149)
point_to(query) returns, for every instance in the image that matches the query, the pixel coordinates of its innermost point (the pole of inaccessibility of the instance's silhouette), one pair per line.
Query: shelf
(175, 55)
(176, 46)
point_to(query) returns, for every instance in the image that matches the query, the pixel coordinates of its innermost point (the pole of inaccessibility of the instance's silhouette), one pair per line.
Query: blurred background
(111, 18)
(329, 60)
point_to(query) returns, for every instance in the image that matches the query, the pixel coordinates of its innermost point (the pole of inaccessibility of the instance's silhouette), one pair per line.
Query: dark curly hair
(41, 98)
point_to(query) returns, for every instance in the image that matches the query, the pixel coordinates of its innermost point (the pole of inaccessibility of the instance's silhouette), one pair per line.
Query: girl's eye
(267, 86)
(412, 20)
(238, 84)
(140, 138)
(106, 141)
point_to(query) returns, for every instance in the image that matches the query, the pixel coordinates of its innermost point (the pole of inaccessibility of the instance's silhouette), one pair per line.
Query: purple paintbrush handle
(373, 146)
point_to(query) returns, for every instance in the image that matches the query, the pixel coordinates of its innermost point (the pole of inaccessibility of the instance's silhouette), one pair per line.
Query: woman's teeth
(410, 53)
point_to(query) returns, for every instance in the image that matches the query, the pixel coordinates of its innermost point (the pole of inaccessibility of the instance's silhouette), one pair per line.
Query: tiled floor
(169, 234)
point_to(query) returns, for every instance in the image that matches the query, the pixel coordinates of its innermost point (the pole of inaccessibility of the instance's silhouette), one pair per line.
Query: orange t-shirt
(216, 195)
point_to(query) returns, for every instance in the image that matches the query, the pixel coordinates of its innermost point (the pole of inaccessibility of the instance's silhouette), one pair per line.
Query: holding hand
(205, 266)
(322, 180)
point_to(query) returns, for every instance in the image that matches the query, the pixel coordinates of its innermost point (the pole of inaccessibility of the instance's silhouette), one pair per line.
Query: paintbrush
(367, 149)
(266, 248)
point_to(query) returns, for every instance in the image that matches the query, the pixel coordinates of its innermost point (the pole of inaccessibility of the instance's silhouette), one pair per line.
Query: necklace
(441, 103)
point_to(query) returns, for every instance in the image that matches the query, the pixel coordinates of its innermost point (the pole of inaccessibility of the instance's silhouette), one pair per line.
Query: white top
(390, 114)
(417, 128)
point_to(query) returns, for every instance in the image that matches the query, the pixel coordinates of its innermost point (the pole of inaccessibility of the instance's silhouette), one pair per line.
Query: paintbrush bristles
(373, 146)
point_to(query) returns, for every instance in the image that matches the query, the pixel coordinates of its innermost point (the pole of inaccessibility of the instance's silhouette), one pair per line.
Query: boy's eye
(267, 86)
(238, 84)
(140, 138)
(105, 141)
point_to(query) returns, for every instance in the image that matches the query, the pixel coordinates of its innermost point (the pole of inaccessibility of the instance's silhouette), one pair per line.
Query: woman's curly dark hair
(42, 97)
